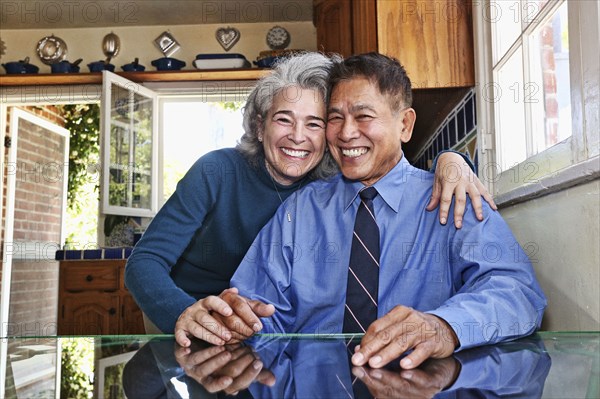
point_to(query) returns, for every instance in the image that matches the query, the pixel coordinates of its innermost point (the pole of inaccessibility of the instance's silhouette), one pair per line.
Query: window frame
(109, 80)
(571, 161)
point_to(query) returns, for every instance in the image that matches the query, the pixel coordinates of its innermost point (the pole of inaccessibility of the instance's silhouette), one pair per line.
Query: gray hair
(305, 70)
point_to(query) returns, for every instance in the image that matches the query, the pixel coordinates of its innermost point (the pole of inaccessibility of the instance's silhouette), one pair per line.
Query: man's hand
(432, 377)
(245, 319)
(453, 176)
(403, 329)
(218, 320)
(229, 368)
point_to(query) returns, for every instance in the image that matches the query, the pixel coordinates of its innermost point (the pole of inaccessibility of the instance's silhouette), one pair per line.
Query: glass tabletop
(546, 365)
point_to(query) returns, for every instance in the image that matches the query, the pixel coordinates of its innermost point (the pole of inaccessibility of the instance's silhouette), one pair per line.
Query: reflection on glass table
(546, 365)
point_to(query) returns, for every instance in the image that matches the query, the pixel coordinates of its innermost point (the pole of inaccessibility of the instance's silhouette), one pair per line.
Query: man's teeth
(295, 153)
(354, 152)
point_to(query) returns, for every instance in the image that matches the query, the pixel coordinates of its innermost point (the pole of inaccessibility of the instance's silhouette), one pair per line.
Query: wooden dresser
(93, 299)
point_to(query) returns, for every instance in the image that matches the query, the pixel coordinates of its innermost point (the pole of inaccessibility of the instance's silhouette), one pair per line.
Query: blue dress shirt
(477, 278)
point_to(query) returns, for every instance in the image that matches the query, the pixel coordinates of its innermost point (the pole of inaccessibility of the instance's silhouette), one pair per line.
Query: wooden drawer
(89, 276)
(93, 299)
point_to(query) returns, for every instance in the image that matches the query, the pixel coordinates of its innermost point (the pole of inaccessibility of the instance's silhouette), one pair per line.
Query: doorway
(34, 172)
(36, 191)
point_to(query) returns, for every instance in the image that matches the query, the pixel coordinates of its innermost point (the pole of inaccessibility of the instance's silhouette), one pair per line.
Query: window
(129, 136)
(143, 164)
(531, 78)
(191, 128)
(537, 62)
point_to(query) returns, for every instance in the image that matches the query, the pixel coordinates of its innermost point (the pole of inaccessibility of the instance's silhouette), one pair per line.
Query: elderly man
(361, 254)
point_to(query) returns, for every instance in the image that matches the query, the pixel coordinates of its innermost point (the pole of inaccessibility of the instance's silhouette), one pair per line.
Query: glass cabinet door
(129, 145)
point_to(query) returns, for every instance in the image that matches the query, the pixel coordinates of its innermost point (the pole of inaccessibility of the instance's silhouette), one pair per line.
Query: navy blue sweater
(199, 237)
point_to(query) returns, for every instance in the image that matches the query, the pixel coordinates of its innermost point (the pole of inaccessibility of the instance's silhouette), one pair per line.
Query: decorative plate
(278, 38)
(51, 50)
(227, 37)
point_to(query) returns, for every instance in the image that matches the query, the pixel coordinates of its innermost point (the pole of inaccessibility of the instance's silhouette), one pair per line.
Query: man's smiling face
(364, 133)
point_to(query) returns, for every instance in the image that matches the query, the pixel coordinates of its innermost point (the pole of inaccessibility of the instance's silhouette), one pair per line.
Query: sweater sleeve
(464, 156)
(147, 273)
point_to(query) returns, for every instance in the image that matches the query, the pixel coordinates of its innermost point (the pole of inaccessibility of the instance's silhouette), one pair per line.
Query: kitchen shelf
(139, 77)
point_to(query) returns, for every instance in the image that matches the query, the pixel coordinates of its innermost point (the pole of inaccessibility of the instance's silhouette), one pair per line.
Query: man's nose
(349, 129)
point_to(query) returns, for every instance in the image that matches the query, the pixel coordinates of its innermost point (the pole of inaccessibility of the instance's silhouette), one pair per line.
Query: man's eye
(334, 118)
(364, 117)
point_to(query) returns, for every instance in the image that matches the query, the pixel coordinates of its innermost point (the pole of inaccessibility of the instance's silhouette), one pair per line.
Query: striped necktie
(363, 273)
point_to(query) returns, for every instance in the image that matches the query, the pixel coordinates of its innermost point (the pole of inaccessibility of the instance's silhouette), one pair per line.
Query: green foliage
(76, 369)
(83, 122)
(113, 378)
(230, 105)
(173, 171)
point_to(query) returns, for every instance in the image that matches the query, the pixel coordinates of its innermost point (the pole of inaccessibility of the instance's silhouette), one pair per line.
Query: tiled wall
(94, 254)
(457, 132)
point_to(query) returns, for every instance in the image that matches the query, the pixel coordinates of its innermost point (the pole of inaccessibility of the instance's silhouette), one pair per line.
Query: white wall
(564, 229)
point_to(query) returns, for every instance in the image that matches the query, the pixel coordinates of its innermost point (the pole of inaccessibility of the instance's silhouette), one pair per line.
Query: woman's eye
(315, 125)
(284, 121)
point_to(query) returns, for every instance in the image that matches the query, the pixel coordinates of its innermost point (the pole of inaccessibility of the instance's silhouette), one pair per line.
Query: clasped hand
(229, 368)
(227, 318)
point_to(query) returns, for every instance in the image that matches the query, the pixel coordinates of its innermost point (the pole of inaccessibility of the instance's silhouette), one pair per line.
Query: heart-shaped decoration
(227, 37)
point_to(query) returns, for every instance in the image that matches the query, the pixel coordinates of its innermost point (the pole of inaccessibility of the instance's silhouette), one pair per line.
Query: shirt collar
(390, 187)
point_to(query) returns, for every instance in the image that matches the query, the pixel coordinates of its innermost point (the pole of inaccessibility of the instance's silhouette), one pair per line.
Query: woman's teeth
(295, 153)
(354, 152)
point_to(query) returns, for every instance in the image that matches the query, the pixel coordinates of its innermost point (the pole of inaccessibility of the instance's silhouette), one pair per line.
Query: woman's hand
(229, 368)
(198, 321)
(453, 176)
(227, 318)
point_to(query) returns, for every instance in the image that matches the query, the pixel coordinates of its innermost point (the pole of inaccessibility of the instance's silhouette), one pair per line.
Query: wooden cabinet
(89, 314)
(433, 39)
(332, 19)
(132, 321)
(93, 299)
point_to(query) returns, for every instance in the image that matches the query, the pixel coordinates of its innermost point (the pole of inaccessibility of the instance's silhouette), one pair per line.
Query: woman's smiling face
(293, 134)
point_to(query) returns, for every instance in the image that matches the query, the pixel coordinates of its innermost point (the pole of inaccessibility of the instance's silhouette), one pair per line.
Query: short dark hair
(387, 72)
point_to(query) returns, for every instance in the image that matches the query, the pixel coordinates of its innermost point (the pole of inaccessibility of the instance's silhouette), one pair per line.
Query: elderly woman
(196, 241)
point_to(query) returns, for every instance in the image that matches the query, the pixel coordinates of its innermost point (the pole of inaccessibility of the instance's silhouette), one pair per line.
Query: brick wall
(38, 205)
(549, 79)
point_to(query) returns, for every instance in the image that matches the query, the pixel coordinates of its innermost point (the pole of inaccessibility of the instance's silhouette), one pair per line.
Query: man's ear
(408, 123)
